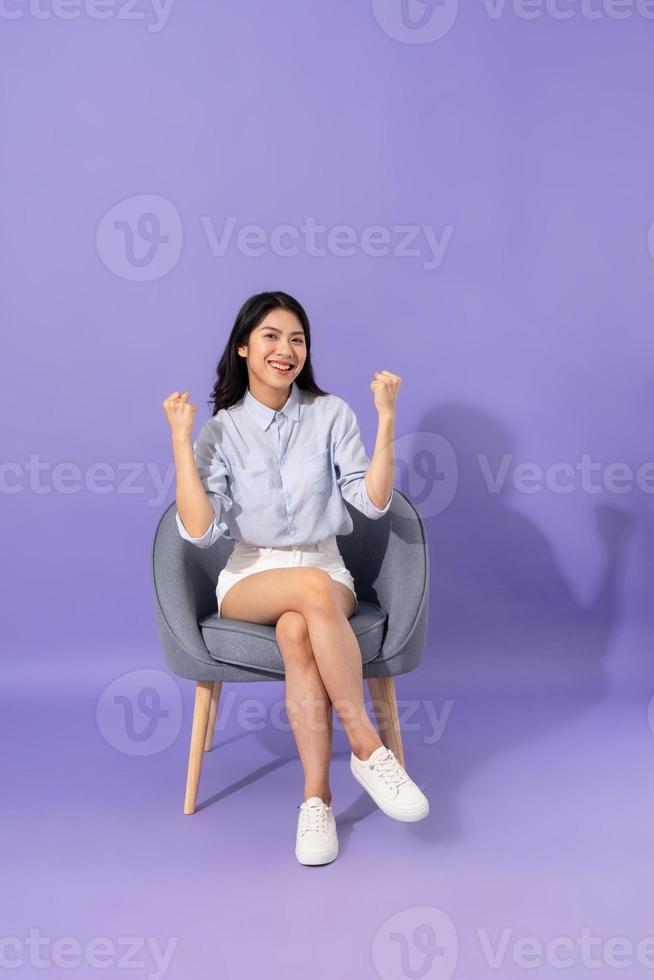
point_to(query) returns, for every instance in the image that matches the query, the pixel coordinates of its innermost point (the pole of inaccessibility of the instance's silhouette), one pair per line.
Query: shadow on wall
(502, 612)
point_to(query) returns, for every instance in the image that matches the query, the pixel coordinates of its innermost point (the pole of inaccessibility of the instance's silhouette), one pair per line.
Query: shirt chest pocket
(317, 472)
(251, 485)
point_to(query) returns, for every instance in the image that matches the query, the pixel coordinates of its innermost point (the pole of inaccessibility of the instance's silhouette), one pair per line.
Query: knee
(292, 636)
(318, 591)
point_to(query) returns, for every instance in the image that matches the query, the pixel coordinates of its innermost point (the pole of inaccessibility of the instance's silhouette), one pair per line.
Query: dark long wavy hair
(232, 371)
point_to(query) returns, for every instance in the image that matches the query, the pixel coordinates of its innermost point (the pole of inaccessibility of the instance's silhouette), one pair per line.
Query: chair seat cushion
(233, 641)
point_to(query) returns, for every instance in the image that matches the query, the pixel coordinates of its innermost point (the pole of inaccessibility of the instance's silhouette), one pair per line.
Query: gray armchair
(389, 561)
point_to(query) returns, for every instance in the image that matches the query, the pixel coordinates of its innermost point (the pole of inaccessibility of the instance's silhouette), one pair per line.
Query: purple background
(531, 139)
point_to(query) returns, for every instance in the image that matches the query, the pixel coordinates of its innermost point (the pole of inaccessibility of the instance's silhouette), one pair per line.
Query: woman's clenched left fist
(386, 387)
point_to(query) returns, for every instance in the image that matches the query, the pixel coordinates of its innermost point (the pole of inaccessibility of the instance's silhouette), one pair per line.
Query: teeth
(282, 367)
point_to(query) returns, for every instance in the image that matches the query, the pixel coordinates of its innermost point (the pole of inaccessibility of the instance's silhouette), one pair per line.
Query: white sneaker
(316, 841)
(390, 786)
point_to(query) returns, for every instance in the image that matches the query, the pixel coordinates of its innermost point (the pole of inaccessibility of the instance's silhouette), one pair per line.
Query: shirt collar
(263, 415)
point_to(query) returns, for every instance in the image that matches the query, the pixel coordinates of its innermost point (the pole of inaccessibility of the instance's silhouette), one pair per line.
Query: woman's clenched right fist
(180, 414)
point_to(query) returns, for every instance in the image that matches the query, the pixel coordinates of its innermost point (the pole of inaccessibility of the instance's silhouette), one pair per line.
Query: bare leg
(264, 596)
(307, 704)
(338, 658)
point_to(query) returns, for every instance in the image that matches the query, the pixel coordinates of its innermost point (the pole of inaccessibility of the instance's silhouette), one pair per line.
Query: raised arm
(355, 471)
(381, 472)
(201, 482)
(368, 484)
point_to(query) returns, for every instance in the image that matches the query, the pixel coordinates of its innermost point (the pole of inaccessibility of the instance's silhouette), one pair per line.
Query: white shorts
(246, 559)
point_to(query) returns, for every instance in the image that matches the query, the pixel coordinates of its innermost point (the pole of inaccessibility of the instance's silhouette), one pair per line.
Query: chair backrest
(387, 557)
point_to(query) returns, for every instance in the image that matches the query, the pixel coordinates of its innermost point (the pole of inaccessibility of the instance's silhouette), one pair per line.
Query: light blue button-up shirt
(280, 478)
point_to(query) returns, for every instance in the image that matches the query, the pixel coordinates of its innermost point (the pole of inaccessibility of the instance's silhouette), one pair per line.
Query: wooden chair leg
(198, 734)
(384, 702)
(213, 710)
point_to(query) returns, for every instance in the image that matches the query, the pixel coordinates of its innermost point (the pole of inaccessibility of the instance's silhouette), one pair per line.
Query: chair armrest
(183, 579)
(396, 546)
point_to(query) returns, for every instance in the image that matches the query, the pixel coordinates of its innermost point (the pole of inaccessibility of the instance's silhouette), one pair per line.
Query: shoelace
(313, 818)
(390, 770)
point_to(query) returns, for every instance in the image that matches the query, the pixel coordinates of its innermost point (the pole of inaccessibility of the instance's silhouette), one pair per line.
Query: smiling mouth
(281, 370)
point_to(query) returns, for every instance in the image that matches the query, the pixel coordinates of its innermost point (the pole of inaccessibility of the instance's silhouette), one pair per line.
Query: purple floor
(540, 827)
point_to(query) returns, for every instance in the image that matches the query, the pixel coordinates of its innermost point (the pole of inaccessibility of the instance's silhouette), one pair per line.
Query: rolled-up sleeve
(213, 471)
(352, 463)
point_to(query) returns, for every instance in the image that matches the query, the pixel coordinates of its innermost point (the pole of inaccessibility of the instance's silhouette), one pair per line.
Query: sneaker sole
(411, 816)
(325, 858)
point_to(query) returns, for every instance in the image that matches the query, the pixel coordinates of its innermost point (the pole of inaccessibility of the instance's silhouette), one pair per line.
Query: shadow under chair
(389, 561)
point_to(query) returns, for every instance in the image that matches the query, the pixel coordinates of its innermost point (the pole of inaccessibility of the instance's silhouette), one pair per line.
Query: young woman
(271, 469)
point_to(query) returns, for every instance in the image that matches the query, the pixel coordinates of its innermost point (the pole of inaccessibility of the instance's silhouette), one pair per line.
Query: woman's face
(278, 338)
